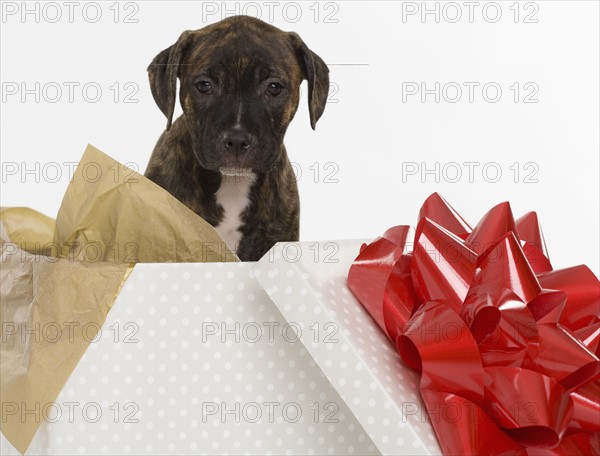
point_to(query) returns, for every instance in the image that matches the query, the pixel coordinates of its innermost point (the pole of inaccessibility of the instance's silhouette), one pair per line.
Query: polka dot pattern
(196, 359)
(357, 358)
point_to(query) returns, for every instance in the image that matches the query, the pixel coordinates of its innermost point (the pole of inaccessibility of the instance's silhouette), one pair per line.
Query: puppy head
(239, 90)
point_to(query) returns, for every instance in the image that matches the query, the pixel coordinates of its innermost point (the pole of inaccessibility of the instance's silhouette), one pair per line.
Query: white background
(372, 130)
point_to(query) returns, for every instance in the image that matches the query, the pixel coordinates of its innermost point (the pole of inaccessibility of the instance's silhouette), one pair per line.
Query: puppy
(224, 158)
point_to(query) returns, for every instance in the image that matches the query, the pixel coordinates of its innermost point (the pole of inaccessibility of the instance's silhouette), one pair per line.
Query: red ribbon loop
(507, 347)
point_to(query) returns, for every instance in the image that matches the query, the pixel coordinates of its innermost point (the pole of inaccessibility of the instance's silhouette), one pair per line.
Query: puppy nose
(237, 141)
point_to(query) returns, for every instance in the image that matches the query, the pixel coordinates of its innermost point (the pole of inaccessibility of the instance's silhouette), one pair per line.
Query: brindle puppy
(224, 157)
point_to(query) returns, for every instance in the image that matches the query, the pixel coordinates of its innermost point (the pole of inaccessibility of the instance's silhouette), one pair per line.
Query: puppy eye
(274, 89)
(204, 87)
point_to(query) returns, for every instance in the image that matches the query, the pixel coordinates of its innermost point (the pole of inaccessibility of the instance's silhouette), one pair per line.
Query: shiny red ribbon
(507, 347)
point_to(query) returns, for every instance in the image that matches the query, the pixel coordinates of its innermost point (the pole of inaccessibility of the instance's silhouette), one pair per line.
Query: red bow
(507, 347)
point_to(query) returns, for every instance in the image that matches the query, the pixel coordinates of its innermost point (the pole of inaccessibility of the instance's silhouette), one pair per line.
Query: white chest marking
(233, 197)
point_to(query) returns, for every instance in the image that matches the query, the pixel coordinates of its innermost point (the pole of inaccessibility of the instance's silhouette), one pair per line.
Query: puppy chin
(235, 171)
(234, 166)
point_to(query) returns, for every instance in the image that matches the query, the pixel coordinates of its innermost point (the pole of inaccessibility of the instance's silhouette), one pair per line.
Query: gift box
(320, 347)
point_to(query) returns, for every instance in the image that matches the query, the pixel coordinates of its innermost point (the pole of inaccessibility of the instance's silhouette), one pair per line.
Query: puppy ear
(163, 72)
(316, 72)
